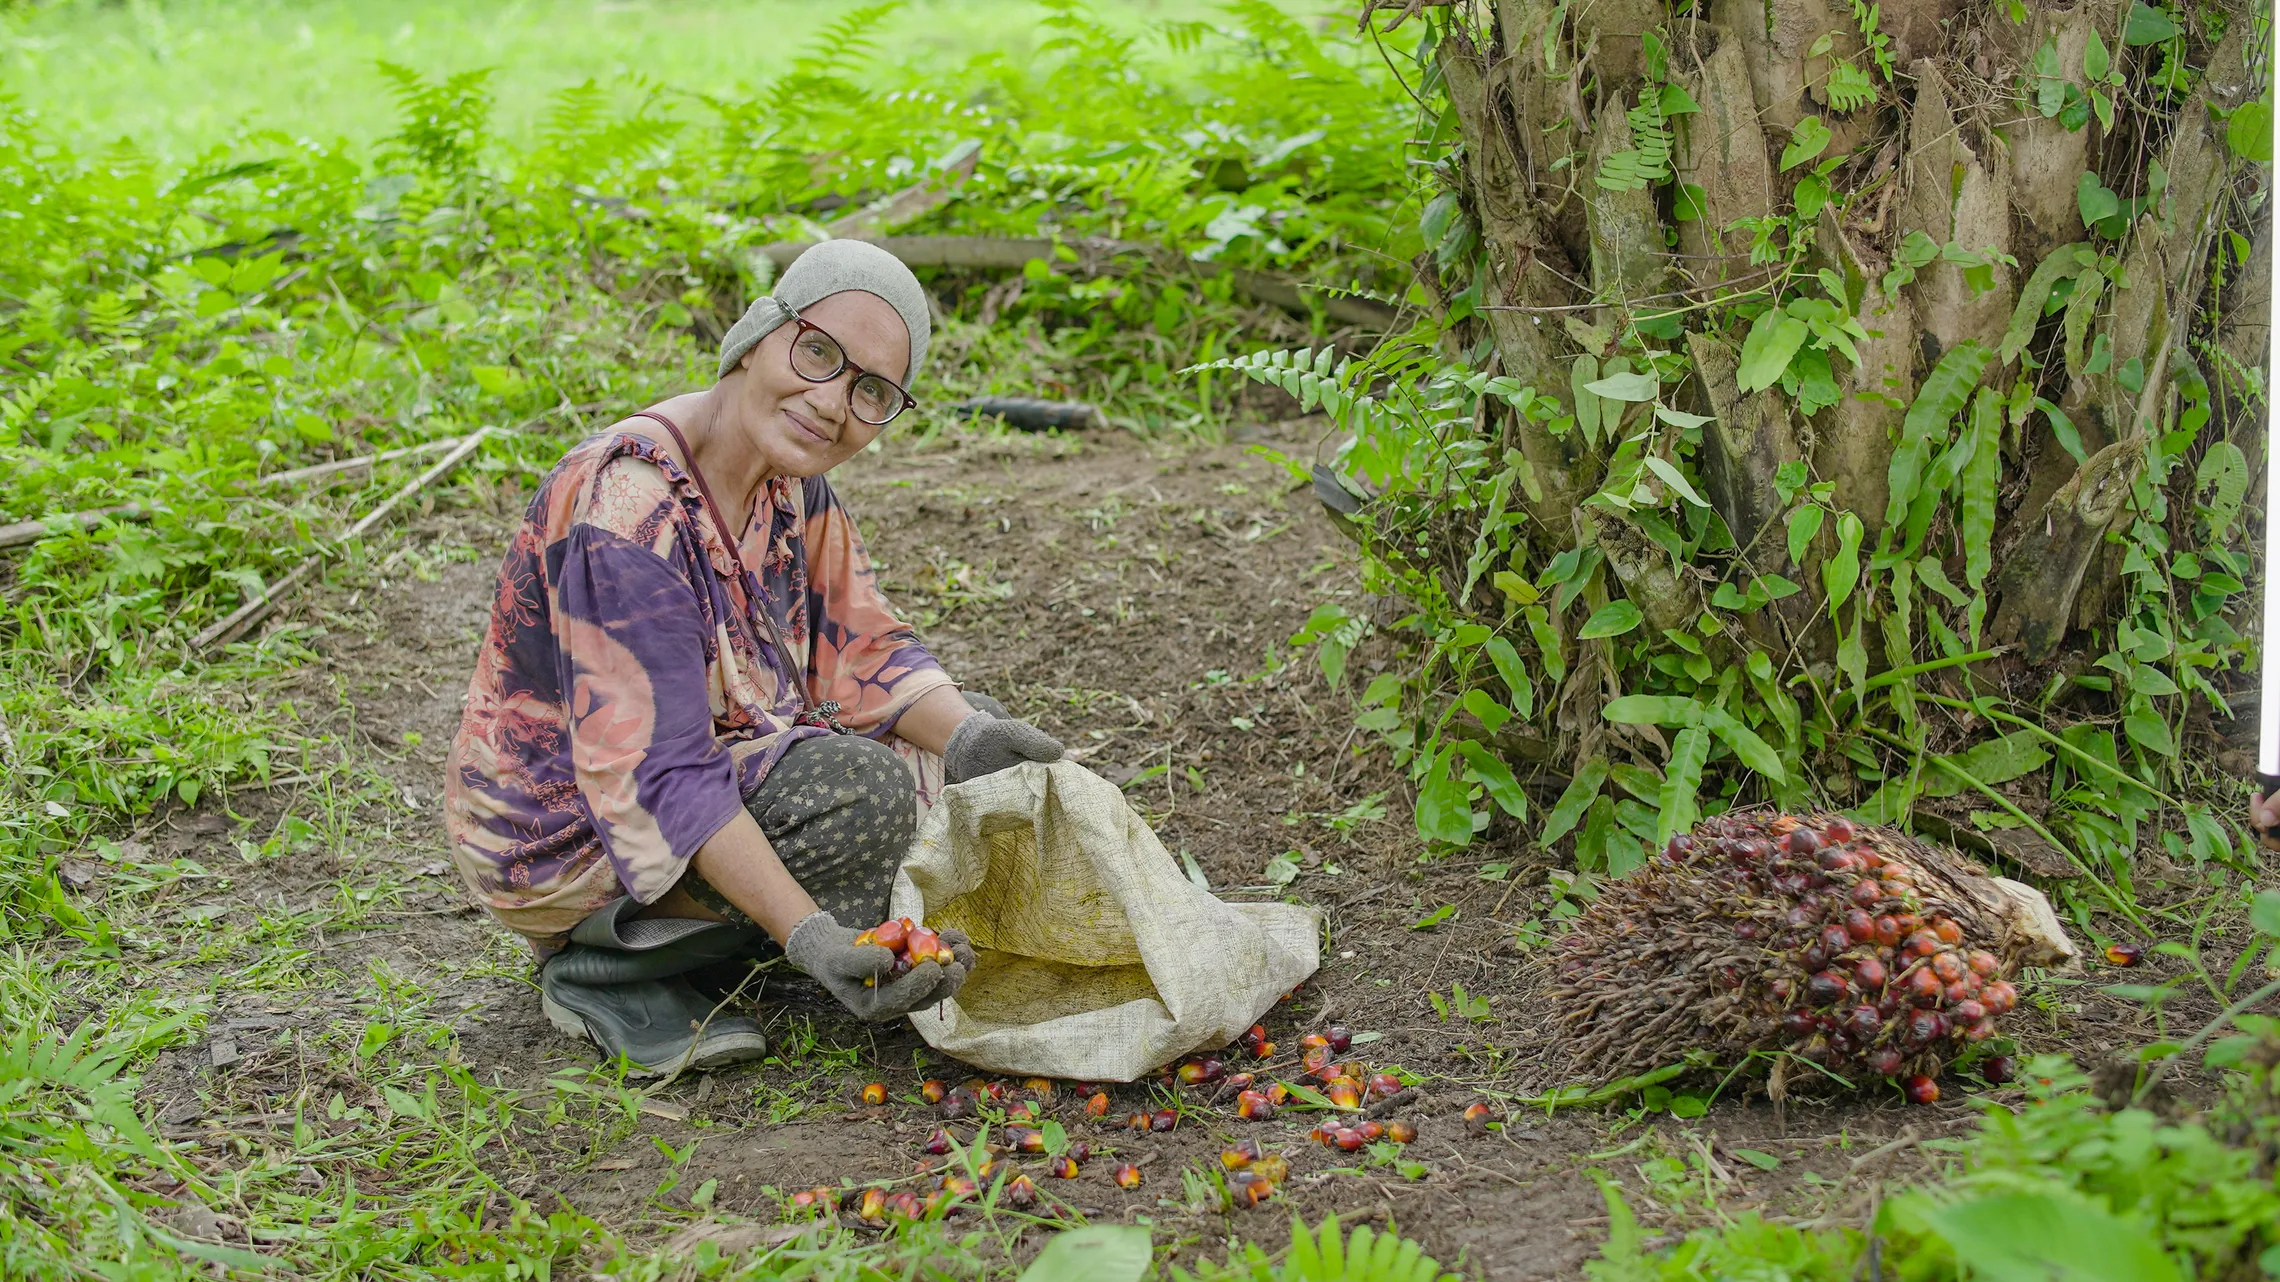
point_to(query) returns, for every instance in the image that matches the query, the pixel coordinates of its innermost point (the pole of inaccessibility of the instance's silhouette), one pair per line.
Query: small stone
(224, 1052)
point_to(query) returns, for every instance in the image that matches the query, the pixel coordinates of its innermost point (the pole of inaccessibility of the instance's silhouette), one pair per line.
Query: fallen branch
(254, 611)
(319, 470)
(1109, 257)
(47, 527)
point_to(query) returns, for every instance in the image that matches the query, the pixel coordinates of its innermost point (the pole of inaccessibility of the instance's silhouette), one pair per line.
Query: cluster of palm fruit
(911, 944)
(1854, 947)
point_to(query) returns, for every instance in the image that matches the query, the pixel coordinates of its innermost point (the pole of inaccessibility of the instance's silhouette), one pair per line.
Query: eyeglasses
(818, 358)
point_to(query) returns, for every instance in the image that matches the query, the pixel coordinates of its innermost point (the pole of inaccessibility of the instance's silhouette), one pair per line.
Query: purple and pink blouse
(622, 704)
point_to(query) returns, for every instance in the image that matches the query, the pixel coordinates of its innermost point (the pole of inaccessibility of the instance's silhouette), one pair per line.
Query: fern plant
(1321, 1255)
(1648, 159)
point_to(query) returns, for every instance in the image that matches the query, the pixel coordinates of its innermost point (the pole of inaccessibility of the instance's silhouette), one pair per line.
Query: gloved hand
(822, 948)
(983, 744)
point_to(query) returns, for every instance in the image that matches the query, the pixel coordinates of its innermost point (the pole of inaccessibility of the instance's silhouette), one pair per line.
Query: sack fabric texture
(1098, 959)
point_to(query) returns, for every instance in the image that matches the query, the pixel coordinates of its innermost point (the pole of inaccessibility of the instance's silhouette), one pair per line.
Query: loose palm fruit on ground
(932, 1091)
(1020, 1192)
(1400, 1132)
(1241, 1153)
(1922, 1090)
(1278, 1094)
(1127, 1176)
(1325, 1134)
(1372, 1131)
(904, 1205)
(1253, 1038)
(1022, 1111)
(1164, 1119)
(1237, 1082)
(1344, 1093)
(936, 1144)
(1883, 1061)
(1248, 1188)
(875, 1093)
(1312, 1040)
(1998, 1068)
(1477, 1118)
(872, 1205)
(959, 1103)
(1097, 1106)
(1040, 1087)
(1254, 1106)
(1349, 1140)
(808, 1199)
(1025, 1139)
(1138, 1122)
(1340, 1036)
(1063, 1168)
(1196, 1072)
(2125, 954)
(1317, 1059)
(1381, 1085)
(1080, 1150)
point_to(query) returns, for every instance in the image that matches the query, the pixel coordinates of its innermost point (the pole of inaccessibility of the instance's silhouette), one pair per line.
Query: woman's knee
(984, 703)
(836, 782)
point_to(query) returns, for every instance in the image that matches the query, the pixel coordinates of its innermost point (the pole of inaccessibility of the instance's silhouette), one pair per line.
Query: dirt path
(1137, 602)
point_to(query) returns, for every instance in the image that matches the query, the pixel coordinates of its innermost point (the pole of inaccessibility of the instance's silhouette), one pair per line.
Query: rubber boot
(621, 982)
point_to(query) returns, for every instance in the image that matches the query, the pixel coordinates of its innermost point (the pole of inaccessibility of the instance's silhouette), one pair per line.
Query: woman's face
(801, 428)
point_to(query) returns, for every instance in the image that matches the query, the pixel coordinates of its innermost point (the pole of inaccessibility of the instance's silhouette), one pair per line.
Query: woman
(696, 731)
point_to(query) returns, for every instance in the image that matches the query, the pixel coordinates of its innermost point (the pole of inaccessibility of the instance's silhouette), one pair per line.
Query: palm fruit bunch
(1858, 948)
(910, 943)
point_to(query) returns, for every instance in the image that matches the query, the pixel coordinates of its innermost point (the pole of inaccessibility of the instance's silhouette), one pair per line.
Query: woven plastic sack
(1098, 960)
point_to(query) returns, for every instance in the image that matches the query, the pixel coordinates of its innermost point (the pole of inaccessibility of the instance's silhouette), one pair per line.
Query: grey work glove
(826, 951)
(983, 744)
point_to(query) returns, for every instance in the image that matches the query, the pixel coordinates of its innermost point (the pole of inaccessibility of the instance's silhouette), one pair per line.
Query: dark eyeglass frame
(805, 326)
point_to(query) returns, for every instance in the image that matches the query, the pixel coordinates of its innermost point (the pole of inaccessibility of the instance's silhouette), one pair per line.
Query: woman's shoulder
(618, 478)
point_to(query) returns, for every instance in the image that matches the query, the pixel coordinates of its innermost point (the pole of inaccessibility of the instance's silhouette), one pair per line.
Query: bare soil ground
(1136, 601)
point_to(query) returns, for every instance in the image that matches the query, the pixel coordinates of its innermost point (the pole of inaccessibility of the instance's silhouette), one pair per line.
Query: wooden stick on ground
(254, 611)
(319, 471)
(27, 532)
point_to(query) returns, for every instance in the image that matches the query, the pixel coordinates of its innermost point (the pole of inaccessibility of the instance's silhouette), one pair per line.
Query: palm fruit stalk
(1856, 947)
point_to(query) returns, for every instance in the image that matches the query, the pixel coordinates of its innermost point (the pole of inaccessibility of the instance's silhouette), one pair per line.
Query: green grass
(177, 78)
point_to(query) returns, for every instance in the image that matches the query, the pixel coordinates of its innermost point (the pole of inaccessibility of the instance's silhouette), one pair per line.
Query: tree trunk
(1963, 149)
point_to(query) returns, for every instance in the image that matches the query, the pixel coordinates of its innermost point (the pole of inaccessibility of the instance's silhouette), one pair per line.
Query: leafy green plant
(1323, 1254)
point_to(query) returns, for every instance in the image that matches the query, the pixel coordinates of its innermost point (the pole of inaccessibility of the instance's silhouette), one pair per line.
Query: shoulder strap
(747, 584)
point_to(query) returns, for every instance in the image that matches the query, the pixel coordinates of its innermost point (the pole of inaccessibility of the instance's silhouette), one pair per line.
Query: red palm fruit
(1922, 944)
(1064, 1168)
(1381, 1085)
(957, 1186)
(1238, 1082)
(1910, 923)
(1026, 1139)
(1884, 1061)
(1340, 1037)
(1254, 1106)
(1097, 1106)
(875, 1093)
(1781, 989)
(1802, 841)
(1800, 918)
(1254, 1035)
(1317, 1059)
(1250, 1192)
(1372, 1131)
(1023, 1111)
(1196, 1072)
(1948, 931)
(1264, 1050)
(1998, 1068)
(1678, 848)
(807, 1198)
(1860, 927)
(1825, 987)
(1840, 1045)
(1979, 1030)
(1477, 1118)
(1163, 1120)
(1400, 1132)
(1867, 892)
(958, 1103)
(1127, 1176)
(1798, 1024)
(1312, 1041)
(1325, 1134)
(2000, 997)
(1983, 963)
(2125, 954)
(1817, 1051)
(1041, 1087)
(924, 945)
(1863, 1022)
(990, 1169)
(1923, 987)
(1139, 1122)
(873, 1204)
(905, 1206)
(1745, 930)
(1888, 932)
(1838, 831)
(1959, 991)
(1835, 939)
(932, 1090)
(1344, 1093)
(867, 937)
(1240, 1154)
(1967, 1011)
(1814, 957)
(1350, 1140)
(889, 934)
(1948, 967)
(936, 1144)
(1926, 1027)
(1020, 1192)
(1278, 1094)
(995, 1090)
(1923, 1090)
(1868, 972)
(1273, 1168)
(1841, 862)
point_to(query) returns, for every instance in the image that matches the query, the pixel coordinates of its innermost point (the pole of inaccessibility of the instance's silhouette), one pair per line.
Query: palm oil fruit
(1922, 1090)
(1097, 1106)
(875, 1093)
(1063, 1167)
(1344, 1094)
(1127, 1176)
(1477, 1118)
(1382, 1085)
(1137, 1122)
(1019, 1191)
(1400, 1132)
(1163, 1119)
(1254, 1106)
(932, 1091)
(1240, 1154)
(2124, 954)
(937, 1143)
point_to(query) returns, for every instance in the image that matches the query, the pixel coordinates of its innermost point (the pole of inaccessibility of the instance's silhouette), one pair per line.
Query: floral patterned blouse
(622, 704)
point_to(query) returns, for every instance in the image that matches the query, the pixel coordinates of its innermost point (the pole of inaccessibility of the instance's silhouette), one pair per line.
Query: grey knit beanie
(832, 267)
